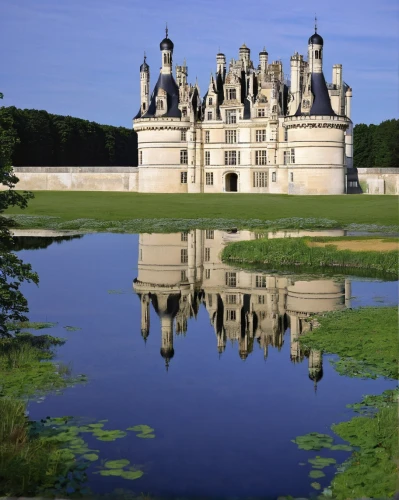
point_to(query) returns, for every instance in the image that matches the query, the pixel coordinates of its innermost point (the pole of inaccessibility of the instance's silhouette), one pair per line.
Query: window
(183, 177)
(230, 158)
(292, 155)
(183, 275)
(261, 157)
(260, 281)
(183, 135)
(141, 254)
(184, 255)
(207, 254)
(231, 299)
(207, 157)
(292, 177)
(209, 234)
(209, 115)
(231, 136)
(286, 134)
(207, 276)
(183, 157)
(159, 104)
(274, 109)
(260, 179)
(260, 135)
(231, 279)
(210, 101)
(184, 236)
(143, 106)
(140, 157)
(261, 112)
(231, 315)
(261, 299)
(207, 136)
(352, 183)
(209, 300)
(184, 112)
(231, 116)
(231, 94)
(286, 157)
(274, 176)
(209, 178)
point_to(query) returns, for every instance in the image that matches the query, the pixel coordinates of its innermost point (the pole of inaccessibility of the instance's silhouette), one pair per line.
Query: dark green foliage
(376, 145)
(54, 140)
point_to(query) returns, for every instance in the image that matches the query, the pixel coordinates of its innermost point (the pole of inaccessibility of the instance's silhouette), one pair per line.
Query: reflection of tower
(167, 351)
(315, 367)
(145, 316)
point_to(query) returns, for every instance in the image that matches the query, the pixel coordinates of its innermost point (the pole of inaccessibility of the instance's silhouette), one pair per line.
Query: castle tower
(263, 60)
(166, 47)
(145, 316)
(296, 83)
(244, 55)
(315, 52)
(221, 65)
(144, 86)
(182, 74)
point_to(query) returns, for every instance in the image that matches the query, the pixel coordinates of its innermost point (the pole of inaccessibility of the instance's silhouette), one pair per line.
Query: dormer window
(184, 112)
(159, 104)
(231, 94)
(210, 101)
(261, 112)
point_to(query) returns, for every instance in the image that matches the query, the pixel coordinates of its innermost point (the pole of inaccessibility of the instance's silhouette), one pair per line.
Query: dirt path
(359, 245)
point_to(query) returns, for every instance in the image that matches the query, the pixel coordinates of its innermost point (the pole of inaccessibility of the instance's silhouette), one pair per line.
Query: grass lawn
(112, 206)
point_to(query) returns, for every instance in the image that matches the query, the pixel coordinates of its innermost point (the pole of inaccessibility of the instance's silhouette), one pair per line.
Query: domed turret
(166, 44)
(316, 39)
(144, 68)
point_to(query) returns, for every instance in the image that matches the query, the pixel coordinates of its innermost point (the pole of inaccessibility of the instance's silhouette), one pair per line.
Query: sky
(82, 57)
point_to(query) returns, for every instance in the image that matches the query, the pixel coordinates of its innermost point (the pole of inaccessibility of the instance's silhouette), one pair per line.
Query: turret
(315, 52)
(244, 55)
(263, 60)
(221, 64)
(166, 47)
(182, 74)
(144, 86)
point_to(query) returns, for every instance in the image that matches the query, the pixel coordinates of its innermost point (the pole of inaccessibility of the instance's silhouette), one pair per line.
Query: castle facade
(253, 132)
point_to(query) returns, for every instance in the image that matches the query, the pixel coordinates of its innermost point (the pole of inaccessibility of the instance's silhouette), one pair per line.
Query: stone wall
(379, 180)
(77, 178)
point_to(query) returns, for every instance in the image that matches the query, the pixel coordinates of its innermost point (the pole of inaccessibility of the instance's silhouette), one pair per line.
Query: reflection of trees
(36, 243)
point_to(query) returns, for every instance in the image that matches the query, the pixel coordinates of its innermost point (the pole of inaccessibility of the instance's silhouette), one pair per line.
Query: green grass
(113, 207)
(293, 252)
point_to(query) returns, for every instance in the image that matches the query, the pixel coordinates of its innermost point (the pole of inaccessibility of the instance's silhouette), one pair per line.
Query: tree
(13, 272)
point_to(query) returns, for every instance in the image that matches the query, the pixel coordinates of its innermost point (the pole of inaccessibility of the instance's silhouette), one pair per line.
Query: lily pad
(316, 486)
(313, 441)
(143, 429)
(102, 435)
(91, 457)
(145, 436)
(316, 474)
(321, 462)
(116, 464)
(110, 472)
(132, 474)
(95, 426)
(342, 447)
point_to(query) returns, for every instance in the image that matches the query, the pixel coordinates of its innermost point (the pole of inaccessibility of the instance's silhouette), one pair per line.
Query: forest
(44, 139)
(376, 146)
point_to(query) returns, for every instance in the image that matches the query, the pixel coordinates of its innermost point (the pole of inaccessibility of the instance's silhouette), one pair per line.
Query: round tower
(315, 53)
(244, 54)
(221, 64)
(144, 85)
(166, 47)
(263, 60)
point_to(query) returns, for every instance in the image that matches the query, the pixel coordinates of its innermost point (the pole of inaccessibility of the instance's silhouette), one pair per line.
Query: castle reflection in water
(179, 272)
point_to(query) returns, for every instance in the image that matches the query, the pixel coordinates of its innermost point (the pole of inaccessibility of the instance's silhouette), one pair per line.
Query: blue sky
(82, 57)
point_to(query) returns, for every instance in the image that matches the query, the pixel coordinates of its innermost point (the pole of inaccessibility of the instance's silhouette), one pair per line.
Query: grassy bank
(298, 252)
(367, 344)
(110, 210)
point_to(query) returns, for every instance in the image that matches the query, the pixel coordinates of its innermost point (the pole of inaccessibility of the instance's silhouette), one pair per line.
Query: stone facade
(253, 132)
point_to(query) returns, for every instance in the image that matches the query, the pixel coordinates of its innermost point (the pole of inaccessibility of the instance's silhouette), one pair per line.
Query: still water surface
(203, 353)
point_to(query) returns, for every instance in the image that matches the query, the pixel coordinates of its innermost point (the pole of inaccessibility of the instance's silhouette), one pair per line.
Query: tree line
(376, 146)
(44, 139)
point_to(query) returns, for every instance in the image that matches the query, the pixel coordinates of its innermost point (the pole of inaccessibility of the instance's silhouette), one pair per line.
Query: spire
(315, 23)
(166, 30)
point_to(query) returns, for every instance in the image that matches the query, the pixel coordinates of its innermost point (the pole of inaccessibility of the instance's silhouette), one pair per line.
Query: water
(203, 353)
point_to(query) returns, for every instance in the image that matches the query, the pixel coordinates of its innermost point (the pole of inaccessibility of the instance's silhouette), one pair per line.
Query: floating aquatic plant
(105, 435)
(143, 431)
(321, 462)
(316, 486)
(69, 328)
(313, 441)
(316, 474)
(116, 464)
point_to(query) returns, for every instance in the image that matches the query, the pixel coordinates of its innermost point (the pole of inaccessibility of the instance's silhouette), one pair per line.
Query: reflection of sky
(223, 426)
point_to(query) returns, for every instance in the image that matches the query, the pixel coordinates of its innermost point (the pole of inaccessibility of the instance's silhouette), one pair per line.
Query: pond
(206, 354)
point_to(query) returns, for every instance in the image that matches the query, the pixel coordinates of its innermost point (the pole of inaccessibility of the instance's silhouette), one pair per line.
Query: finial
(145, 56)
(166, 30)
(315, 23)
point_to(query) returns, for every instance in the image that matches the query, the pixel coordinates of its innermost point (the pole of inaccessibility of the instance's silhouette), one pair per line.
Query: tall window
(261, 299)
(261, 135)
(207, 254)
(261, 157)
(210, 101)
(209, 115)
(231, 94)
(184, 236)
(183, 135)
(184, 255)
(231, 136)
(207, 157)
(231, 299)
(274, 109)
(207, 136)
(231, 279)
(207, 277)
(260, 281)
(261, 112)
(292, 155)
(209, 178)
(286, 134)
(140, 157)
(292, 177)
(231, 315)
(183, 157)
(209, 234)
(230, 158)
(274, 177)
(183, 275)
(159, 104)
(184, 112)
(209, 300)
(286, 157)
(260, 179)
(183, 177)
(231, 116)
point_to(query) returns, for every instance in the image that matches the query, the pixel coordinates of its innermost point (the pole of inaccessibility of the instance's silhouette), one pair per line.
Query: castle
(178, 273)
(253, 132)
